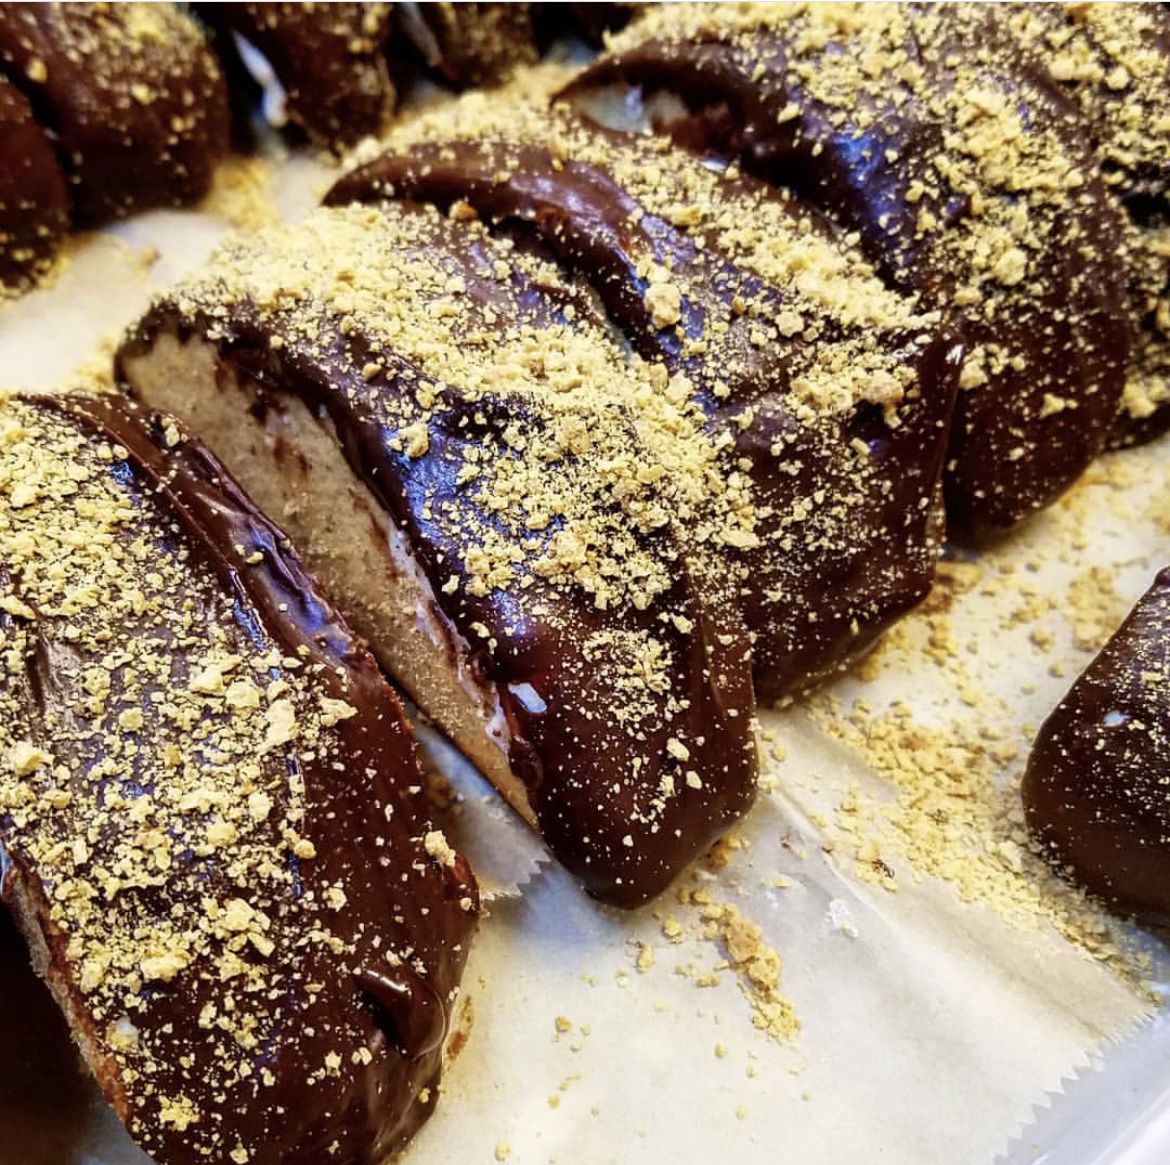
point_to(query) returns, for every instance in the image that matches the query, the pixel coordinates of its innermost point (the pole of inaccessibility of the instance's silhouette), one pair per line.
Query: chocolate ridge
(813, 608)
(368, 1108)
(596, 791)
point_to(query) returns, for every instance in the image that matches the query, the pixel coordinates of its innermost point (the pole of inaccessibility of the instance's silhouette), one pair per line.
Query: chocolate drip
(416, 1021)
(319, 1078)
(869, 154)
(1097, 789)
(868, 554)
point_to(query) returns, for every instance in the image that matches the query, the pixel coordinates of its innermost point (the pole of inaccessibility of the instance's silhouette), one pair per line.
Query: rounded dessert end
(1097, 788)
(34, 208)
(135, 98)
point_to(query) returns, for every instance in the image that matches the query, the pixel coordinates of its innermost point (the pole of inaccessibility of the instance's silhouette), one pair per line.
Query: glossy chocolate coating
(1097, 789)
(594, 779)
(329, 58)
(868, 162)
(468, 44)
(1113, 62)
(131, 95)
(867, 552)
(34, 210)
(362, 814)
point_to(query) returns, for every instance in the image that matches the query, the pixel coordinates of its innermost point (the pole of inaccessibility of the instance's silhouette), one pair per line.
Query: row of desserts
(1008, 164)
(746, 399)
(616, 435)
(110, 109)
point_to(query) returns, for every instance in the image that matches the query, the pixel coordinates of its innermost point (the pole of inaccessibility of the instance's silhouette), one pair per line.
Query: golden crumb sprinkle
(157, 797)
(436, 844)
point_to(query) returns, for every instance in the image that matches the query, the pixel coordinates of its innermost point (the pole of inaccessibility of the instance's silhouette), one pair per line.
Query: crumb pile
(954, 809)
(756, 965)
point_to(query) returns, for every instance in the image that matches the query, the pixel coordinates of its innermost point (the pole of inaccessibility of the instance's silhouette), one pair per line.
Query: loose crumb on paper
(757, 966)
(953, 809)
(242, 193)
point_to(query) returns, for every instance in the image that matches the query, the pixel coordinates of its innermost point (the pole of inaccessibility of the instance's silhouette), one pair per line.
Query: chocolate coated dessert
(527, 524)
(831, 398)
(211, 832)
(329, 59)
(131, 96)
(589, 22)
(1097, 789)
(468, 44)
(964, 174)
(1113, 60)
(34, 211)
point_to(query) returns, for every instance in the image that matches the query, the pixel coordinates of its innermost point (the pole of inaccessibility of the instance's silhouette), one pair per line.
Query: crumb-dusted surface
(132, 95)
(566, 507)
(966, 178)
(210, 818)
(946, 711)
(829, 392)
(1114, 61)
